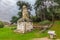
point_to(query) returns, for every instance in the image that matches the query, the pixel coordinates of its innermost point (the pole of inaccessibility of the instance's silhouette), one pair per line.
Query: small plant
(45, 22)
(1, 24)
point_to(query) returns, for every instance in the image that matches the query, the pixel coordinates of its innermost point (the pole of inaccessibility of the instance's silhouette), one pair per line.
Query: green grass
(7, 33)
(56, 28)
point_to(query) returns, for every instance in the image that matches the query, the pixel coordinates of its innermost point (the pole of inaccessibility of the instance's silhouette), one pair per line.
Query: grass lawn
(7, 33)
(56, 27)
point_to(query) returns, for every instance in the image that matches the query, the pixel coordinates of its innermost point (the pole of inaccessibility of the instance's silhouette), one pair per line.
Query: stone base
(24, 27)
(18, 31)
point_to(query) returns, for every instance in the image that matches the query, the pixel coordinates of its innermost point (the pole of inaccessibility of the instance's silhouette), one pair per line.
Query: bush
(1, 24)
(45, 22)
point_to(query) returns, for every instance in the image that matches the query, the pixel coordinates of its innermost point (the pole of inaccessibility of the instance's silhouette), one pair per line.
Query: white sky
(8, 8)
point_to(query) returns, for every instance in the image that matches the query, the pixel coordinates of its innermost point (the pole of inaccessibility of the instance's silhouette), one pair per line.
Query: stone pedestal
(24, 27)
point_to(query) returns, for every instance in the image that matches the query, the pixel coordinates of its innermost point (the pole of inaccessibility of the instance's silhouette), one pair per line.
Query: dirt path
(45, 38)
(41, 38)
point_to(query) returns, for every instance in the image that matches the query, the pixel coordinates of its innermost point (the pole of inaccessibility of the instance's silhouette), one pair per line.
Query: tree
(40, 9)
(1, 24)
(35, 19)
(19, 14)
(14, 19)
(45, 8)
(20, 4)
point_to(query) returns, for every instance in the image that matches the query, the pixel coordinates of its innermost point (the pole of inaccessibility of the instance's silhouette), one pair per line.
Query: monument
(24, 24)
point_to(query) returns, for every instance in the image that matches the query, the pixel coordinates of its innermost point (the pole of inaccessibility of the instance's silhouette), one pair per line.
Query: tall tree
(20, 4)
(45, 7)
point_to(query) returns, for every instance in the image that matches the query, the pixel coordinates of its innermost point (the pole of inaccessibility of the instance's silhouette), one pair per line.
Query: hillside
(56, 27)
(7, 33)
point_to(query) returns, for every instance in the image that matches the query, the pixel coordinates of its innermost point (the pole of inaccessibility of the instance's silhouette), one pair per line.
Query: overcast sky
(8, 8)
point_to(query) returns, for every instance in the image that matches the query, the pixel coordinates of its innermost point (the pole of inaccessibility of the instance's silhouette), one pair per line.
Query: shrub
(1, 24)
(45, 22)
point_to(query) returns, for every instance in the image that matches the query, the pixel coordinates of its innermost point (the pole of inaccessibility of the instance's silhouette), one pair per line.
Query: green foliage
(19, 14)
(14, 19)
(1, 24)
(47, 13)
(35, 19)
(21, 3)
(38, 3)
(45, 22)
